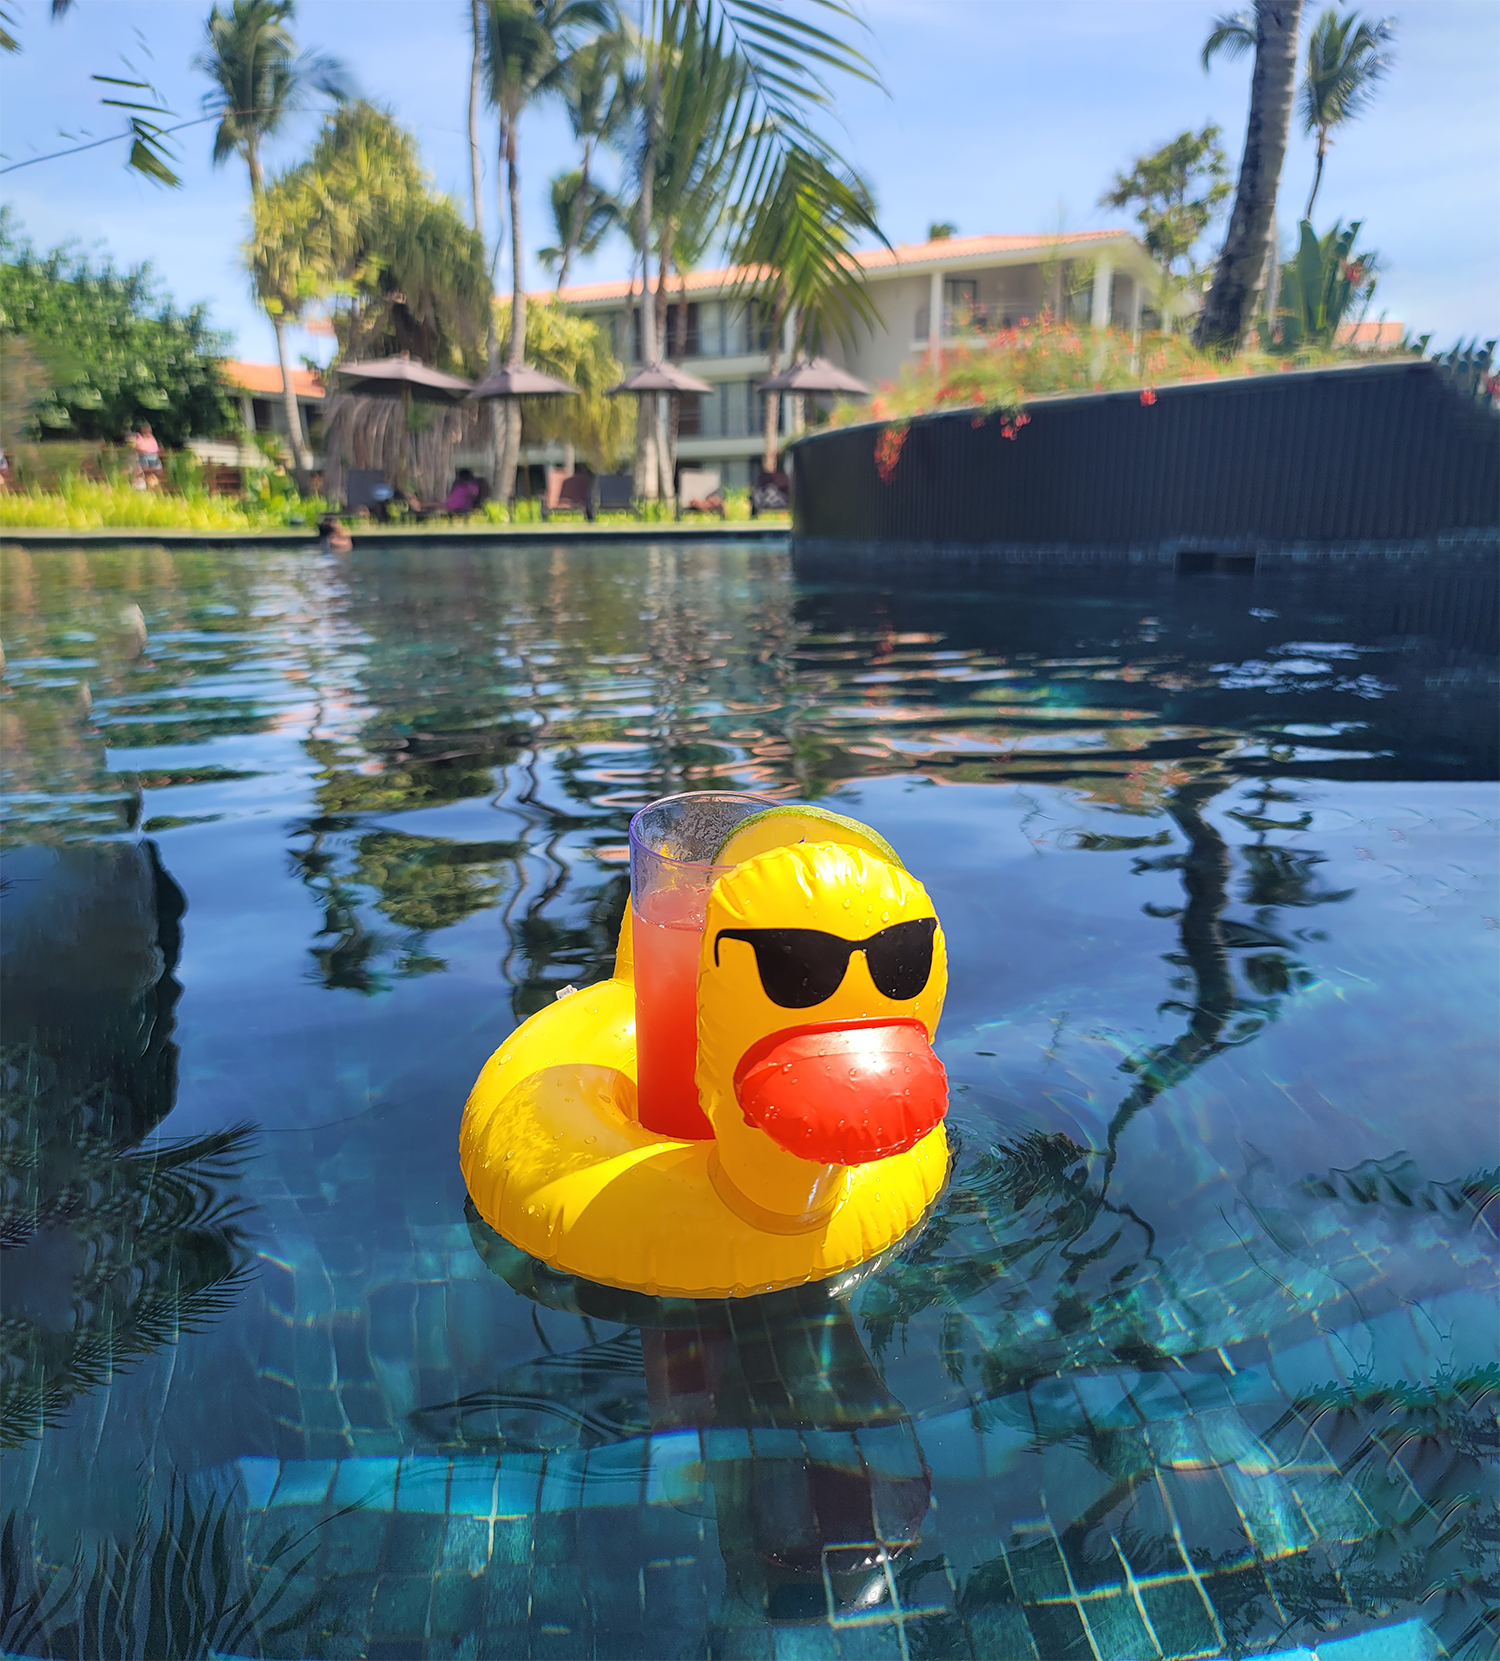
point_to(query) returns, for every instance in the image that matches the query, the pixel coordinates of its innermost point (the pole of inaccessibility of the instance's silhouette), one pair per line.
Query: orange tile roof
(872, 259)
(266, 378)
(1382, 333)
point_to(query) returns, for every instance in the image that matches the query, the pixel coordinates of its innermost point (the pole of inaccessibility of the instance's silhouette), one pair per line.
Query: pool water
(1197, 1354)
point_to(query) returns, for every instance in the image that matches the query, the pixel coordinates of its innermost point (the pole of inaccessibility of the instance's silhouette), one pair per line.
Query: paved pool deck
(694, 530)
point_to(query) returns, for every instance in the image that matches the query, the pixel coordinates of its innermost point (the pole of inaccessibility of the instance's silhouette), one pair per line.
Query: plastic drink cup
(672, 843)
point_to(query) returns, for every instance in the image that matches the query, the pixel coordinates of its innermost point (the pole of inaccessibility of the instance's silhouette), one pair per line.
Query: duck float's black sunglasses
(802, 967)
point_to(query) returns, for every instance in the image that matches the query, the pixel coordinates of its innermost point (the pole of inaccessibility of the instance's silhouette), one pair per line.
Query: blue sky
(1000, 115)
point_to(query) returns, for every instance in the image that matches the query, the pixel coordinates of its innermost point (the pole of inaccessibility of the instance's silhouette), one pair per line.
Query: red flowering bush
(1000, 373)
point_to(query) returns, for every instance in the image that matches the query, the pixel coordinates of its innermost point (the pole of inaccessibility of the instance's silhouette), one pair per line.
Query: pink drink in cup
(672, 844)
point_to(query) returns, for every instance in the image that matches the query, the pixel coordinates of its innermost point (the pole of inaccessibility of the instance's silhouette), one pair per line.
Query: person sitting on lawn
(467, 493)
(771, 492)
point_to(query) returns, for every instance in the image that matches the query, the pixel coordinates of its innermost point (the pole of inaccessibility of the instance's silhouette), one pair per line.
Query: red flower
(888, 451)
(1148, 397)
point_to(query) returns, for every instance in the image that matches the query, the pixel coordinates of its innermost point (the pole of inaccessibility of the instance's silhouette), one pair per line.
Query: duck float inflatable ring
(820, 978)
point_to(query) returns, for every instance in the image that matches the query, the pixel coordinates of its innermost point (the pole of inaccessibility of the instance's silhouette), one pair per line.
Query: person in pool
(334, 534)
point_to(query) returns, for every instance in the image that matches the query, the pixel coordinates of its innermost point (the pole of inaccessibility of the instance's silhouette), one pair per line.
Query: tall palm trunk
(1230, 307)
(516, 355)
(647, 464)
(301, 455)
(499, 422)
(1317, 171)
(773, 399)
(476, 168)
(575, 220)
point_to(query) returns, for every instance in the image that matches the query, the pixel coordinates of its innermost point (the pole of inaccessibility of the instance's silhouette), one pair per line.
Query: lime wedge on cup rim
(782, 827)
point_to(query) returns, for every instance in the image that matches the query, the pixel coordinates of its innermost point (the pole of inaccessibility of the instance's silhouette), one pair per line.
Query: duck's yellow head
(820, 984)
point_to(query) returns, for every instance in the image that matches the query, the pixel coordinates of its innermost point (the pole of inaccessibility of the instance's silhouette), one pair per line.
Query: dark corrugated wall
(1378, 452)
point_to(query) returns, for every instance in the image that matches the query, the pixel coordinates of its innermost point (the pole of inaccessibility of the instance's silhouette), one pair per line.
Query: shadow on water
(1141, 1387)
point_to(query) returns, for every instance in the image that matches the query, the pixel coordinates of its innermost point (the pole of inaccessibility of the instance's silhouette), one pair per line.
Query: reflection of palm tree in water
(1045, 1197)
(110, 1252)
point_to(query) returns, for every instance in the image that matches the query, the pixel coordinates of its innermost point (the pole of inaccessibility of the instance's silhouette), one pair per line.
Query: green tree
(1240, 272)
(259, 80)
(527, 44)
(107, 350)
(358, 222)
(576, 350)
(1179, 190)
(1345, 58)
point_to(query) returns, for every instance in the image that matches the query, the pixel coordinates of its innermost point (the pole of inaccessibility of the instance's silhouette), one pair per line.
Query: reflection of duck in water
(820, 982)
(765, 1414)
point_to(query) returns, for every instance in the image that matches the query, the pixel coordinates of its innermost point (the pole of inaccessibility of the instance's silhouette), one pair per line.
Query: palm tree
(258, 79)
(801, 235)
(1241, 271)
(476, 92)
(785, 59)
(582, 215)
(1345, 58)
(596, 97)
(526, 47)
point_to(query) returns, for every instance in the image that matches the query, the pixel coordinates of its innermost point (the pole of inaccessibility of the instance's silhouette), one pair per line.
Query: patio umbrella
(518, 381)
(405, 378)
(659, 377)
(813, 375)
(408, 380)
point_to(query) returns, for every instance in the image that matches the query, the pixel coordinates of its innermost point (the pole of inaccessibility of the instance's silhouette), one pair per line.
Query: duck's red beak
(844, 1092)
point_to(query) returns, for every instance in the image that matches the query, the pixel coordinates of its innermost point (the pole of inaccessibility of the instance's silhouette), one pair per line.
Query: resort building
(261, 402)
(928, 295)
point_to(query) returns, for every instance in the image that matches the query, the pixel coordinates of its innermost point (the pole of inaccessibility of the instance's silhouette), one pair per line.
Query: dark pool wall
(1377, 452)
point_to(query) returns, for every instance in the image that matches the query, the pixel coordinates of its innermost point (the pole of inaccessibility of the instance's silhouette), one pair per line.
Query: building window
(689, 326)
(689, 423)
(262, 408)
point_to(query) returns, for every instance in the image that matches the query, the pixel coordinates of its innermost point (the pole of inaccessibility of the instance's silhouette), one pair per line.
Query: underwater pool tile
(466, 1546)
(413, 1543)
(518, 1484)
(351, 1545)
(1180, 1617)
(1106, 1400)
(458, 1604)
(366, 1482)
(562, 1483)
(422, 1483)
(471, 1487)
(1058, 1632)
(615, 1474)
(304, 1482)
(259, 1479)
(400, 1607)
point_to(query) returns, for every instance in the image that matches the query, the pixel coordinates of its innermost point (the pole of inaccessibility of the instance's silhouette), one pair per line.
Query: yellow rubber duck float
(821, 976)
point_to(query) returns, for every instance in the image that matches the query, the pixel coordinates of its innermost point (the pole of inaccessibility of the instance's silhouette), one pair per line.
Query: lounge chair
(360, 487)
(615, 493)
(698, 492)
(223, 480)
(771, 492)
(567, 493)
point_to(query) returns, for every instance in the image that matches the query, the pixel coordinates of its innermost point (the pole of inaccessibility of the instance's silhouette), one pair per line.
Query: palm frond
(1346, 58)
(1232, 33)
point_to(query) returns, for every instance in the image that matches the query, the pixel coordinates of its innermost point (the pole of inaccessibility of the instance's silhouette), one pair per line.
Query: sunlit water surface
(1197, 1355)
